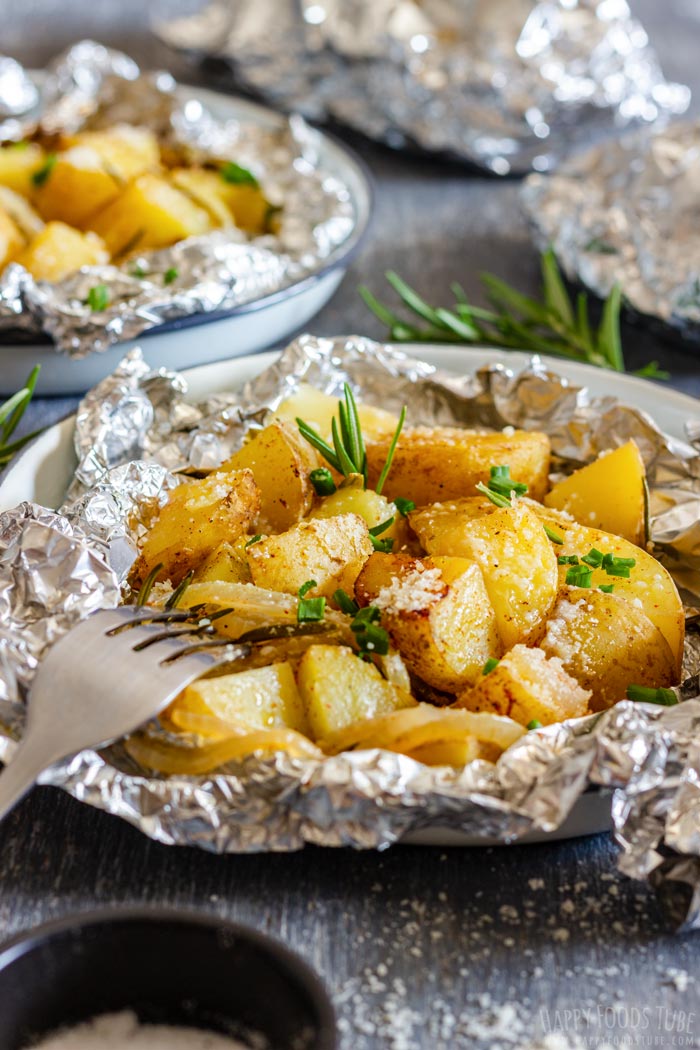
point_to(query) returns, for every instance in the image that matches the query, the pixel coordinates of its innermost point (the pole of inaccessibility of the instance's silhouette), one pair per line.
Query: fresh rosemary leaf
(390, 454)
(609, 343)
(147, 585)
(502, 294)
(179, 591)
(412, 299)
(11, 412)
(555, 294)
(322, 481)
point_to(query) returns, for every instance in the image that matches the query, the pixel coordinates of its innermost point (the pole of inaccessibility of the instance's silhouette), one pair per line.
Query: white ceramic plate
(203, 338)
(43, 471)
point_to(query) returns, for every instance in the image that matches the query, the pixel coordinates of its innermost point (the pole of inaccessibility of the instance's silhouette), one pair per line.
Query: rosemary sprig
(11, 413)
(555, 325)
(348, 454)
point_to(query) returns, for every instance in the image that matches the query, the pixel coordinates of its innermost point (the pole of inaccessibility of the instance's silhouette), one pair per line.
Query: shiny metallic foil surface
(626, 214)
(508, 85)
(137, 428)
(91, 86)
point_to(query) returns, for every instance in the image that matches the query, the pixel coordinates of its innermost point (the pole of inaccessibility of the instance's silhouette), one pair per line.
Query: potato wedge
(433, 464)
(608, 494)
(527, 686)
(11, 239)
(331, 551)
(649, 587)
(317, 409)
(437, 613)
(439, 526)
(198, 517)
(148, 213)
(249, 207)
(59, 250)
(516, 559)
(281, 462)
(207, 189)
(227, 562)
(19, 161)
(125, 150)
(339, 689)
(606, 644)
(262, 698)
(76, 187)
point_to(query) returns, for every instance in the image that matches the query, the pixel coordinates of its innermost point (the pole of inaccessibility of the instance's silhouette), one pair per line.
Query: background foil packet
(137, 427)
(91, 86)
(509, 85)
(626, 213)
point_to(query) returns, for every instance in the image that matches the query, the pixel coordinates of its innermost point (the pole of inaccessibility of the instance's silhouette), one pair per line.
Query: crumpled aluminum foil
(137, 428)
(509, 85)
(91, 86)
(626, 213)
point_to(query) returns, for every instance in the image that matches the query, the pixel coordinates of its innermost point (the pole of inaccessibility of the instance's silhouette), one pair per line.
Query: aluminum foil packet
(508, 85)
(90, 86)
(137, 428)
(626, 214)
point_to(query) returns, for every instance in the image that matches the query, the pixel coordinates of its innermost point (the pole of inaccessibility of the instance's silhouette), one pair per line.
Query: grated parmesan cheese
(413, 591)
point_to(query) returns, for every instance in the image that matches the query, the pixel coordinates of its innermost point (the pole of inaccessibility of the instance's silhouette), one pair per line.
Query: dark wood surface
(421, 948)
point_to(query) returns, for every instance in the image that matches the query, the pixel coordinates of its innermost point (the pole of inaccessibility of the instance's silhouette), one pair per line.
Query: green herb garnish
(41, 174)
(567, 559)
(252, 540)
(404, 506)
(309, 610)
(534, 724)
(594, 558)
(237, 175)
(579, 576)
(347, 455)
(606, 588)
(98, 297)
(370, 637)
(322, 481)
(345, 603)
(171, 275)
(147, 585)
(385, 545)
(501, 482)
(552, 535)
(11, 412)
(554, 325)
(179, 591)
(646, 695)
(618, 566)
(489, 665)
(139, 271)
(495, 497)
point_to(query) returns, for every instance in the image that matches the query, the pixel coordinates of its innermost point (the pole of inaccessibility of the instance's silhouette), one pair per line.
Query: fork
(105, 678)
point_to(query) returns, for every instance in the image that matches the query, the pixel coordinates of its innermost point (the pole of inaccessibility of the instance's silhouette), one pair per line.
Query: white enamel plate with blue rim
(42, 472)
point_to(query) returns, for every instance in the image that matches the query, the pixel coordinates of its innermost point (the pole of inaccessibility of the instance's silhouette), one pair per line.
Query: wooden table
(421, 948)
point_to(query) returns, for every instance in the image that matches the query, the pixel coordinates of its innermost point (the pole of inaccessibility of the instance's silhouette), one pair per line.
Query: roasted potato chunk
(76, 188)
(227, 563)
(526, 686)
(261, 698)
(21, 212)
(317, 409)
(124, 150)
(11, 239)
(281, 462)
(148, 213)
(608, 494)
(207, 189)
(434, 464)
(338, 689)
(198, 517)
(606, 644)
(439, 526)
(59, 250)
(19, 161)
(330, 551)
(437, 613)
(517, 561)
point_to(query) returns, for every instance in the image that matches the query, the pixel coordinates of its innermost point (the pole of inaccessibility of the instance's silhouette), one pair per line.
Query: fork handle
(22, 773)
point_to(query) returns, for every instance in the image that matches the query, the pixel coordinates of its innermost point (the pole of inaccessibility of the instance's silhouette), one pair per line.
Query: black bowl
(169, 968)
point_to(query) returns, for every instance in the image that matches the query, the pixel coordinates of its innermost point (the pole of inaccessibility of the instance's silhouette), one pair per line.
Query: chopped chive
(171, 275)
(179, 591)
(306, 587)
(322, 481)
(392, 449)
(606, 588)
(377, 530)
(404, 506)
(489, 665)
(370, 637)
(534, 724)
(645, 695)
(500, 481)
(384, 546)
(236, 175)
(567, 559)
(252, 540)
(552, 535)
(139, 271)
(98, 297)
(147, 585)
(41, 174)
(618, 566)
(594, 558)
(579, 576)
(345, 603)
(310, 610)
(495, 497)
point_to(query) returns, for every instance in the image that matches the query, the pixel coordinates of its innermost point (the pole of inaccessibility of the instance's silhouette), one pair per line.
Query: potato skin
(433, 464)
(607, 644)
(527, 686)
(437, 613)
(281, 462)
(331, 551)
(198, 517)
